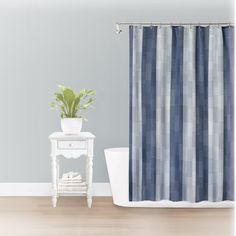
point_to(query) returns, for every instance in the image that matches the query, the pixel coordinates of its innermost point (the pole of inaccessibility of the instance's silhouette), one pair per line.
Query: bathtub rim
(117, 149)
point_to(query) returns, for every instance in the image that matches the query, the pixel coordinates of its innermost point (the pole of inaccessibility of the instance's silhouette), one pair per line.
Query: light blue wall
(44, 45)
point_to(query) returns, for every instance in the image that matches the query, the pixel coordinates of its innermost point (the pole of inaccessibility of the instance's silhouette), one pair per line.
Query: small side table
(71, 146)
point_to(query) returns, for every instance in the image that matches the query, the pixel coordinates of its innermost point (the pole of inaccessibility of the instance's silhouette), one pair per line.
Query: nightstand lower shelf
(72, 187)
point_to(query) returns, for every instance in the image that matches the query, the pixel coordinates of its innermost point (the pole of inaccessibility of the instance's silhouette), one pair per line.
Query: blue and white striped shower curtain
(181, 113)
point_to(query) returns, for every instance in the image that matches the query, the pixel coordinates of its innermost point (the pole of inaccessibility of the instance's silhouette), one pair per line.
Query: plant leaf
(70, 102)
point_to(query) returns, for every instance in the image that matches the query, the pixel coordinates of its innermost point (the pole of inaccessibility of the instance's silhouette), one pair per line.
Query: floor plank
(34, 216)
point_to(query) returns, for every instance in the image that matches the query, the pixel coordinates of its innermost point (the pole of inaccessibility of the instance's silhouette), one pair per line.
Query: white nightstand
(71, 146)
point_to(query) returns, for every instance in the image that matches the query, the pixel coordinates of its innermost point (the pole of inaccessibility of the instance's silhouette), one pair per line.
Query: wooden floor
(34, 216)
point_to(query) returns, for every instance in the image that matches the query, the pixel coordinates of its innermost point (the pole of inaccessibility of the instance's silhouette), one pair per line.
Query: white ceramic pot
(71, 125)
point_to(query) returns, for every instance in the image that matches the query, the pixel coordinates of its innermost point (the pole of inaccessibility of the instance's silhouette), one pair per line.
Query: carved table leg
(89, 175)
(54, 181)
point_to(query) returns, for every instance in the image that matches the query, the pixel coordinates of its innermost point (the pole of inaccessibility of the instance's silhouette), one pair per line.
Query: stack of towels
(72, 176)
(71, 182)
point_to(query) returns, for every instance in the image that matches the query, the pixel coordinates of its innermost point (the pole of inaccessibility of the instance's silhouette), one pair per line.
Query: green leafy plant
(70, 103)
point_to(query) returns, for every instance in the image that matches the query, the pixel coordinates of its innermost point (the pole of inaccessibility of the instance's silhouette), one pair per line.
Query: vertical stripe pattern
(149, 113)
(136, 113)
(202, 42)
(181, 113)
(163, 82)
(228, 59)
(176, 114)
(189, 115)
(215, 115)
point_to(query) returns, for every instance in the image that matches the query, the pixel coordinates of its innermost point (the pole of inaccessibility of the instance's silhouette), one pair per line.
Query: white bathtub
(117, 160)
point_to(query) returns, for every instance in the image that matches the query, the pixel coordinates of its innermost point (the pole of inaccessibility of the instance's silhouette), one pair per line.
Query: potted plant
(70, 103)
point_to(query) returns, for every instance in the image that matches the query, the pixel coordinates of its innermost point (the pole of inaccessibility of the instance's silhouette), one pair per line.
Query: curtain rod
(118, 24)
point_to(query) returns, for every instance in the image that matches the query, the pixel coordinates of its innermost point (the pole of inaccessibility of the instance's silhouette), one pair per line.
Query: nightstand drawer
(71, 145)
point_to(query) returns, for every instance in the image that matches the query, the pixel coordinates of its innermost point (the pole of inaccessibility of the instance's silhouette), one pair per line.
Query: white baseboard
(44, 189)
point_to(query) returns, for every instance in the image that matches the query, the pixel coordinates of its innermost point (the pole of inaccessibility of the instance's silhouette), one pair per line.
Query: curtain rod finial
(118, 30)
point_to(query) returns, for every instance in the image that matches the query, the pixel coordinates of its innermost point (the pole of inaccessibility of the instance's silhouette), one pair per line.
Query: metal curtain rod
(118, 24)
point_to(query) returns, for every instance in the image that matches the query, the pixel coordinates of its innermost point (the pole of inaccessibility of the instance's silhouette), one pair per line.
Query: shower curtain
(181, 113)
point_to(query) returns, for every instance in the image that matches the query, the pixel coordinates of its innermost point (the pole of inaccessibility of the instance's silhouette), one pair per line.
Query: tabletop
(79, 136)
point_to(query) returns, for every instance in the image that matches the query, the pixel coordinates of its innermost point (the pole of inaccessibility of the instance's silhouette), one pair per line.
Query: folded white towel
(71, 176)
